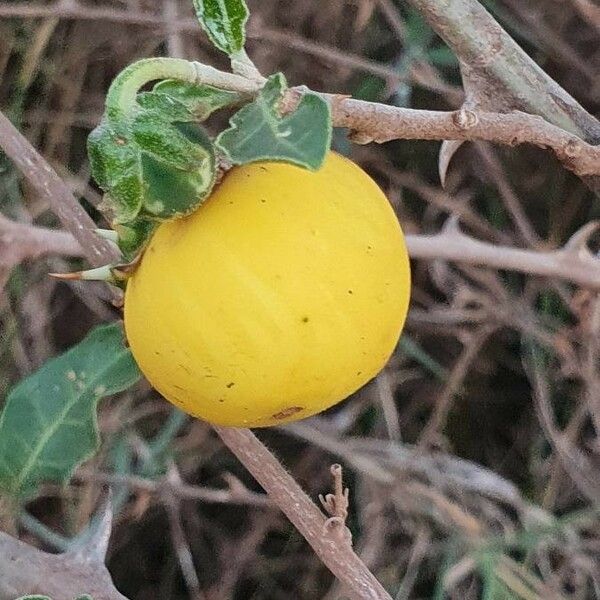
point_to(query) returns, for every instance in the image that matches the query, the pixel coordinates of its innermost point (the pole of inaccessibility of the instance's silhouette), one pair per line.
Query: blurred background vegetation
(472, 460)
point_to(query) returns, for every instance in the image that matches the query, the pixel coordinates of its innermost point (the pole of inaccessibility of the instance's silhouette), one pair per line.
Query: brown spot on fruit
(230, 385)
(287, 412)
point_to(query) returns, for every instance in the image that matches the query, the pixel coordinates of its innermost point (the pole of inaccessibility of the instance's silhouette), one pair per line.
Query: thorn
(578, 242)
(76, 276)
(99, 274)
(452, 225)
(447, 151)
(108, 273)
(91, 546)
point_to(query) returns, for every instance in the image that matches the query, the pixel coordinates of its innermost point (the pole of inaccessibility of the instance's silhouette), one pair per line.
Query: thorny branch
(573, 263)
(302, 512)
(373, 122)
(558, 131)
(498, 71)
(19, 242)
(24, 569)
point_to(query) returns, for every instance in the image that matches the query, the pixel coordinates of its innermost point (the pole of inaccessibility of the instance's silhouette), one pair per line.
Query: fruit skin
(281, 295)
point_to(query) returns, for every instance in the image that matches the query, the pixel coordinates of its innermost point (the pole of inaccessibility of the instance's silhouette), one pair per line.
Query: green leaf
(34, 597)
(200, 100)
(49, 424)
(224, 21)
(258, 133)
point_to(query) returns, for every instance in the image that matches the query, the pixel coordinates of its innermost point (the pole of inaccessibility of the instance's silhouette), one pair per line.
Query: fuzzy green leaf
(200, 100)
(258, 133)
(166, 105)
(224, 21)
(49, 424)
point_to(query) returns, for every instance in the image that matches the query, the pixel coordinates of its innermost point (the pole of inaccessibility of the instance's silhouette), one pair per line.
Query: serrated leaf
(224, 22)
(258, 133)
(49, 424)
(200, 100)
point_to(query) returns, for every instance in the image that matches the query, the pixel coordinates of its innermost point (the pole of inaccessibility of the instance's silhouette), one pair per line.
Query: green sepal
(116, 166)
(156, 164)
(171, 108)
(172, 192)
(200, 100)
(167, 143)
(259, 133)
(134, 236)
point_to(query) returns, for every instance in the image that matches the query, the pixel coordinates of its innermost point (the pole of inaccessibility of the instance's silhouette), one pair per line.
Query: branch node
(572, 148)
(465, 119)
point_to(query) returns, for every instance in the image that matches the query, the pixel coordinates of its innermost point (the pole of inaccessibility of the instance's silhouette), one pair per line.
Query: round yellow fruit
(281, 295)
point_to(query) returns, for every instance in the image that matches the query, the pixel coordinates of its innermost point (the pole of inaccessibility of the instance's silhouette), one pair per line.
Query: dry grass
(472, 460)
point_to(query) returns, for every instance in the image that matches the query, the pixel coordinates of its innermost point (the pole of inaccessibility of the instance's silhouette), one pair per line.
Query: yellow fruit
(281, 295)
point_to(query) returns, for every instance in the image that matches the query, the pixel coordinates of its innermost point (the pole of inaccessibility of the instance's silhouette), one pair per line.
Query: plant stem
(121, 97)
(336, 555)
(481, 43)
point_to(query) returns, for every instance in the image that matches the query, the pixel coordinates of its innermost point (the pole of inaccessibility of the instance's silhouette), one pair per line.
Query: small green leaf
(34, 597)
(49, 424)
(257, 131)
(200, 100)
(224, 21)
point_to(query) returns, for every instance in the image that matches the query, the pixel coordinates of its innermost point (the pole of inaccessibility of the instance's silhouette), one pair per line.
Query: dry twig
(336, 505)
(19, 242)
